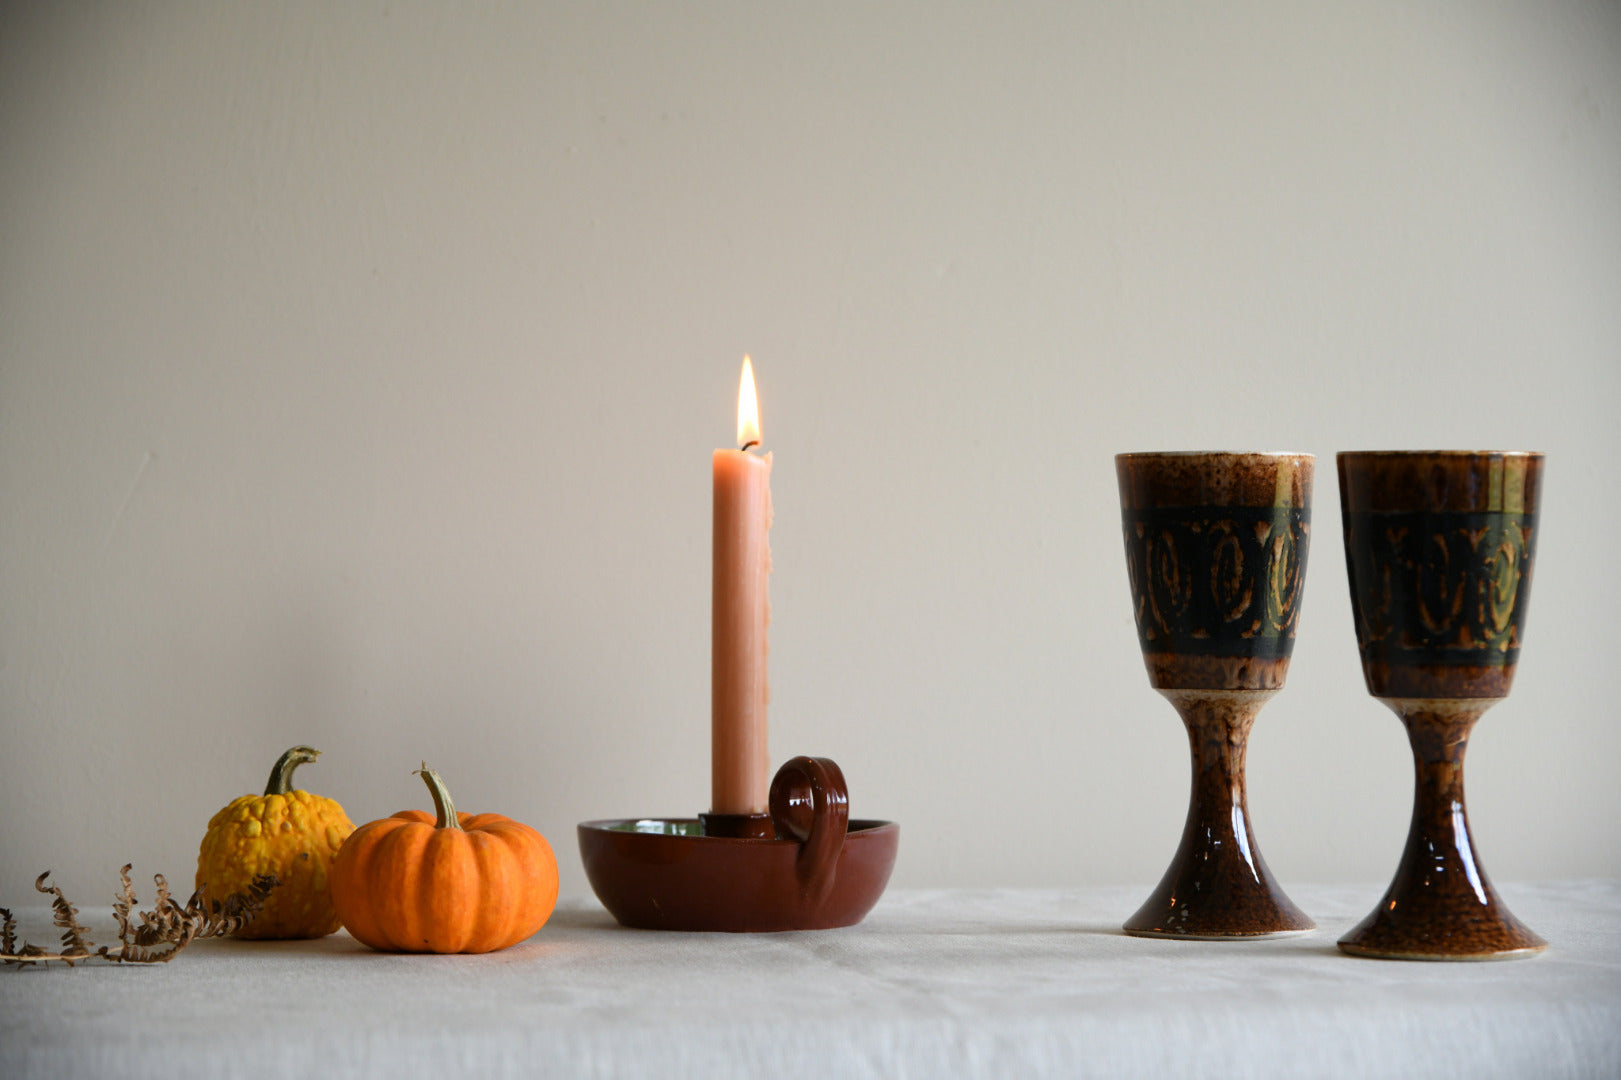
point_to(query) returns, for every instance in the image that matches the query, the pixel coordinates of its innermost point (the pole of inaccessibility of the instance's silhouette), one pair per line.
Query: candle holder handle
(810, 802)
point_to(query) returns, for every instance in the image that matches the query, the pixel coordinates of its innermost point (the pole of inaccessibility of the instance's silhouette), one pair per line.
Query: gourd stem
(281, 777)
(441, 799)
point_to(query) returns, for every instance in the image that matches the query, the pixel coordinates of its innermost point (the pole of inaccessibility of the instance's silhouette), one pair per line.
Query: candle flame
(748, 408)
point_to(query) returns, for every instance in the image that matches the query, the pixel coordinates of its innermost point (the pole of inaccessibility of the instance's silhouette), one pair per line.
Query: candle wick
(745, 446)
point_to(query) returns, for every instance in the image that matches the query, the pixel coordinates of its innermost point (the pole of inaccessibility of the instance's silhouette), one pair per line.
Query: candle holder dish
(817, 870)
(1439, 548)
(1216, 553)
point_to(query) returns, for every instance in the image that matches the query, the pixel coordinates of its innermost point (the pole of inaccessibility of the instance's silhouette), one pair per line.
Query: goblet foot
(1497, 936)
(1218, 887)
(1441, 905)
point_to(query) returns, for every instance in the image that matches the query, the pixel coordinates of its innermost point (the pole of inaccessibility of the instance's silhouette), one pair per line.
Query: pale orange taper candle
(738, 689)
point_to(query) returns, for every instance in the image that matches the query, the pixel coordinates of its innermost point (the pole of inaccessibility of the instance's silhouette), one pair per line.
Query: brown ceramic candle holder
(817, 870)
(1439, 548)
(1216, 551)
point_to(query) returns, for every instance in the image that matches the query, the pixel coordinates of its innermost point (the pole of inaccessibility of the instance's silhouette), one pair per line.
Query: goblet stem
(1440, 905)
(1218, 885)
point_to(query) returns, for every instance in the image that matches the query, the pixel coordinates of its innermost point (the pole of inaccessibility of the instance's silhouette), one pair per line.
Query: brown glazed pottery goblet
(1439, 547)
(1216, 551)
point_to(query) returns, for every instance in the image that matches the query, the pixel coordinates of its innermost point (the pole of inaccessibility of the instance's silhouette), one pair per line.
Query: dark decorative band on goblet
(1217, 580)
(1439, 599)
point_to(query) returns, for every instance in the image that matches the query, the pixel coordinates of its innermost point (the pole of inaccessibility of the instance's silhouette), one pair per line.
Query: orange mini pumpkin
(458, 883)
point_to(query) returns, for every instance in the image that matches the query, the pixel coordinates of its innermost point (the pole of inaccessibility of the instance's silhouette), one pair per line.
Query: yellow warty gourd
(292, 834)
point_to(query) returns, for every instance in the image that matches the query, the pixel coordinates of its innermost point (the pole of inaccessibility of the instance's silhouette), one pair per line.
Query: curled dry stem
(158, 936)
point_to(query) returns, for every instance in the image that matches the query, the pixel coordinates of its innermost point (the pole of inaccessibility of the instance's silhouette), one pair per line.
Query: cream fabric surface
(934, 983)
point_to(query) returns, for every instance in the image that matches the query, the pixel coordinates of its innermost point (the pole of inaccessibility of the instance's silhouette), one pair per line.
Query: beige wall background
(360, 366)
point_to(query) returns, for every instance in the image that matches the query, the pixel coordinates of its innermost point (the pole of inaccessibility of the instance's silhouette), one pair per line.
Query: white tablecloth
(939, 982)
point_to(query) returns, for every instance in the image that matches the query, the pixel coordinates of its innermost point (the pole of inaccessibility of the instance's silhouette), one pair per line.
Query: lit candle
(738, 690)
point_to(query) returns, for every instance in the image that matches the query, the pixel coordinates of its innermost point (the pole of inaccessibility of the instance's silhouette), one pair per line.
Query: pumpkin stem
(441, 799)
(281, 777)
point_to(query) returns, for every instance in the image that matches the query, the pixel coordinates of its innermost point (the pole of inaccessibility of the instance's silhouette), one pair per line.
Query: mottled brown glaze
(1172, 670)
(1218, 885)
(1169, 479)
(1490, 682)
(1441, 905)
(1216, 547)
(1440, 481)
(1439, 548)
(820, 870)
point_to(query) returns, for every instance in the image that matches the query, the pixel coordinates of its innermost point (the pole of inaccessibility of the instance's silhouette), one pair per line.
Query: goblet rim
(1342, 454)
(1143, 455)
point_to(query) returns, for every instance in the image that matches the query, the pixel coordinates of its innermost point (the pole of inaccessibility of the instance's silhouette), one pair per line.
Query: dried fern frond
(66, 918)
(162, 933)
(165, 922)
(124, 901)
(238, 909)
